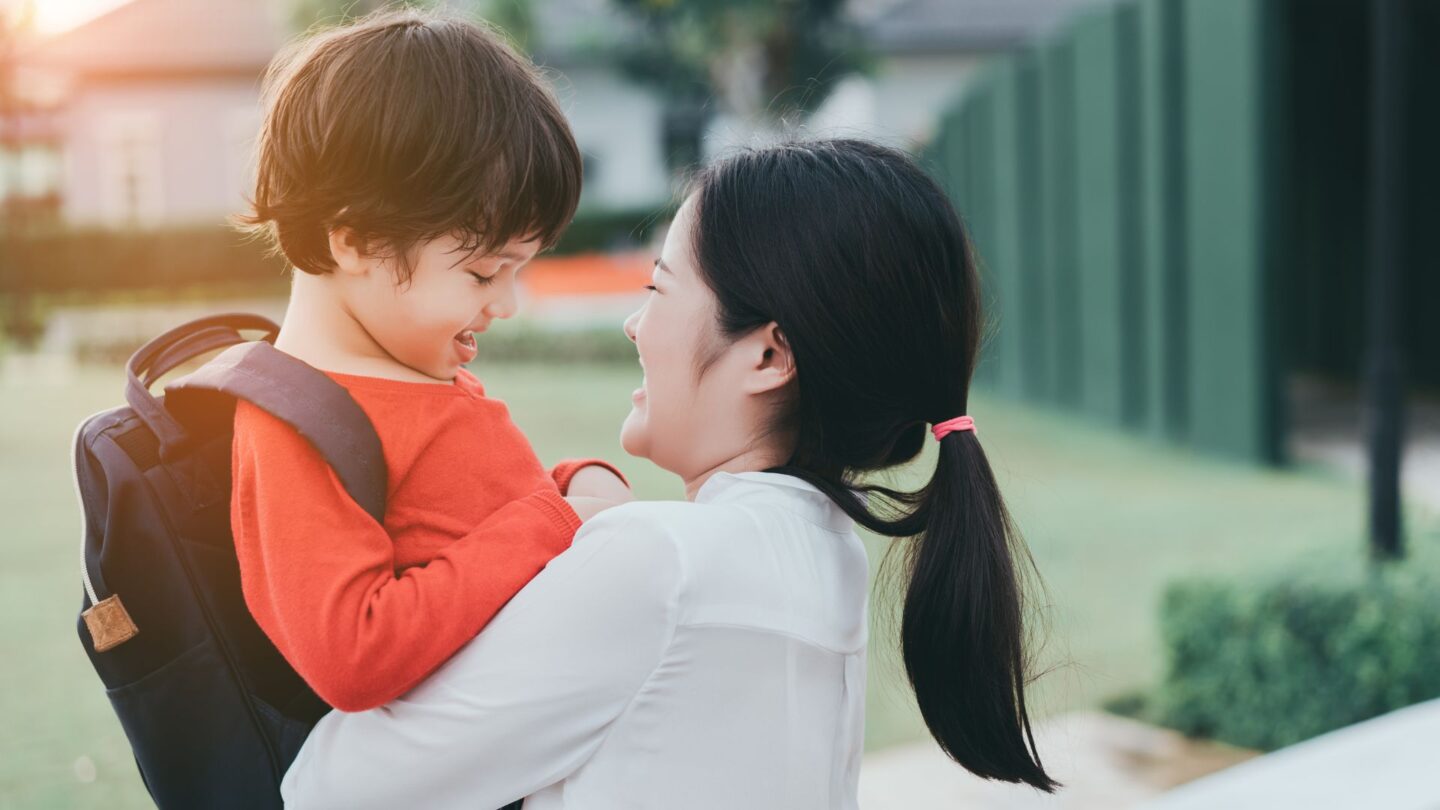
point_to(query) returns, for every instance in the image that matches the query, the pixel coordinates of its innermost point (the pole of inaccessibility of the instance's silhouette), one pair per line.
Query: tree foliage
(776, 59)
(308, 14)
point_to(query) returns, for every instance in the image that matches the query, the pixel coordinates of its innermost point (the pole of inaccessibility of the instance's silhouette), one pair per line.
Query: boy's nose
(504, 306)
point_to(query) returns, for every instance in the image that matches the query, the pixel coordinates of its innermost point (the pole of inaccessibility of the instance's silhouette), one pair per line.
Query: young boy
(409, 166)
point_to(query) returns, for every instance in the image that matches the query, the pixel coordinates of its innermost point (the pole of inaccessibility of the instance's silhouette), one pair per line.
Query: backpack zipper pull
(109, 623)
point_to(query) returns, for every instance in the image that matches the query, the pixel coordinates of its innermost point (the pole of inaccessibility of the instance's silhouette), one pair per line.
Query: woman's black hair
(861, 261)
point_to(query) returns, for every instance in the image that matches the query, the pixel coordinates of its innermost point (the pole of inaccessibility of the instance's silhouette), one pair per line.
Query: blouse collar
(785, 491)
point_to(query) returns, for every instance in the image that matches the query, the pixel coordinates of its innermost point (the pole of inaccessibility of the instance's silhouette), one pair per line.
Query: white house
(158, 105)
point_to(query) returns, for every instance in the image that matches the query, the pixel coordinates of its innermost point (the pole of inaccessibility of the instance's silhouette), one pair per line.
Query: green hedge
(526, 344)
(623, 229)
(1268, 666)
(533, 344)
(96, 260)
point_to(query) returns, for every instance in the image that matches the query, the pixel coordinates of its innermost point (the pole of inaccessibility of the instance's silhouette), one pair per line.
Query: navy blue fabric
(213, 712)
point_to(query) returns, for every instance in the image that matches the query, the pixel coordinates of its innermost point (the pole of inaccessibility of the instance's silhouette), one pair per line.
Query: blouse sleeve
(527, 702)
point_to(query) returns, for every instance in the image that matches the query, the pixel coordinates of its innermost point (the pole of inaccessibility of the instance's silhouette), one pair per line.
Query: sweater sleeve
(318, 573)
(566, 469)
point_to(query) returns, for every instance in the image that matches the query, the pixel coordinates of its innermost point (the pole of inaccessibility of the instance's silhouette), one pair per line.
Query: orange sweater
(363, 611)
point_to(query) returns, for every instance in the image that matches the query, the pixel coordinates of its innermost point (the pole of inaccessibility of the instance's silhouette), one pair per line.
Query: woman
(814, 308)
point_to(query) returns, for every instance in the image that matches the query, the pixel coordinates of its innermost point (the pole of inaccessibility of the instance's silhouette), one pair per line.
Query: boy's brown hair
(406, 126)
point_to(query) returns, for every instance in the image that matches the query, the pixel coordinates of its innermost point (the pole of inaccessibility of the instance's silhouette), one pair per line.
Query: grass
(1110, 521)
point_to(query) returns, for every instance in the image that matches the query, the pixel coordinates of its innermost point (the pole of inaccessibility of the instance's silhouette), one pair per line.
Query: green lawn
(1110, 519)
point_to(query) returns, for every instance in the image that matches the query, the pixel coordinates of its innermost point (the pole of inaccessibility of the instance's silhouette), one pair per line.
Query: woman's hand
(594, 489)
(595, 481)
(587, 507)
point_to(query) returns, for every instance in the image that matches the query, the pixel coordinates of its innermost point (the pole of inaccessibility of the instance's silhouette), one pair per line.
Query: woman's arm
(524, 704)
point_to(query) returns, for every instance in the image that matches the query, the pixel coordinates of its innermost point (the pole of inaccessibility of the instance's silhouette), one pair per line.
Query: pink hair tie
(958, 424)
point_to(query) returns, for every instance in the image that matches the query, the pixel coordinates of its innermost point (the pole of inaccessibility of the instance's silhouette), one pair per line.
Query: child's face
(430, 322)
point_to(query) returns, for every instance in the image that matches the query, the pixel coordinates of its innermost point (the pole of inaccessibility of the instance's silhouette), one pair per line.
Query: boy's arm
(319, 573)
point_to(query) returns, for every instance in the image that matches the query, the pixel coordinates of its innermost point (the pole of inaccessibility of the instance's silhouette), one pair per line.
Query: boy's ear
(772, 363)
(348, 252)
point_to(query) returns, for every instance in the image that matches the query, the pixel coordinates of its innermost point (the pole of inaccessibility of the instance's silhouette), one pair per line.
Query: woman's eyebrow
(660, 263)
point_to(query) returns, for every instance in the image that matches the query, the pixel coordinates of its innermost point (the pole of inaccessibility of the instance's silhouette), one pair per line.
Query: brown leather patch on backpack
(109, 623)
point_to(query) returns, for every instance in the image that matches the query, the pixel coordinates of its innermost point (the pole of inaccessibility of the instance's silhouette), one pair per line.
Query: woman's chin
(634, 438)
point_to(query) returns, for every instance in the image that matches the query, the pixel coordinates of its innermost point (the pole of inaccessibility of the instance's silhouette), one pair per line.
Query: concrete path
(1105, 763)
(1389, 762)
(1329, 429)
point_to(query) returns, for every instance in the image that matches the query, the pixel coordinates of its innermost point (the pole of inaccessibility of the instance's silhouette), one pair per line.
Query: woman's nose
(630, 323)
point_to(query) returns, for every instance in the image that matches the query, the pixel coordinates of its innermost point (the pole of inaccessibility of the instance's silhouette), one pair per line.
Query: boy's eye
(479, 279)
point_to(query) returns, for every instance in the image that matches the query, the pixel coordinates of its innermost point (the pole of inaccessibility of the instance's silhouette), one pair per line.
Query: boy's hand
(597, 482)
(587, 508)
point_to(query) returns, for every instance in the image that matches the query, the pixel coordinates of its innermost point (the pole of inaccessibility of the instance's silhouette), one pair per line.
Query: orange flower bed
(588, 274)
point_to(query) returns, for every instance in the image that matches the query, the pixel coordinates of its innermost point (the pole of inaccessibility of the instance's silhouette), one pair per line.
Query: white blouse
(697, 655)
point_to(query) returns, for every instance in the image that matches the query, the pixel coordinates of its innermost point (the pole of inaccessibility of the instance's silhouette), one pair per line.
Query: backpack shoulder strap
(303, 397)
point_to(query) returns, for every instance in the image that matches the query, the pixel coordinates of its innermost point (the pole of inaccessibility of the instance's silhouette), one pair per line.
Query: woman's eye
(651, 288)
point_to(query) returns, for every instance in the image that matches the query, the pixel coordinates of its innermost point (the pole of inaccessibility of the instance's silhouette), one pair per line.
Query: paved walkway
(1105, 763)
(1329, 429)
(1388, 762)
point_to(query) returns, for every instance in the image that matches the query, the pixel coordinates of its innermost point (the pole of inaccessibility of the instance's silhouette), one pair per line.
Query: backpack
(213, 712)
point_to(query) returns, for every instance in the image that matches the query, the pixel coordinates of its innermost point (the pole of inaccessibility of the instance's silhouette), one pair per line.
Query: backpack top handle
(164, 353)
(205, 340)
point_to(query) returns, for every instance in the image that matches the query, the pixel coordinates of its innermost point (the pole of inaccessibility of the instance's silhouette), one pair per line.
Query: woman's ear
(772, 363)
(348, 253)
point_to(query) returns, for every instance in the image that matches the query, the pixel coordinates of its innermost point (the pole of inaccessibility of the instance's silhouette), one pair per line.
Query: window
(38, 171)
(131, 180)
(242, 127)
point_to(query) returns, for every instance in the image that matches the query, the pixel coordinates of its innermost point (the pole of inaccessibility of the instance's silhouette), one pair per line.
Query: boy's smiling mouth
(465, 345)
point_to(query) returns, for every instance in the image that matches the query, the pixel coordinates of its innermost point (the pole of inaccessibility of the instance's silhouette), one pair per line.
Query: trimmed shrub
(603, 231)
(98, 260)
(533, 344)
(1270, 665)
(527, 344)
(94, 260)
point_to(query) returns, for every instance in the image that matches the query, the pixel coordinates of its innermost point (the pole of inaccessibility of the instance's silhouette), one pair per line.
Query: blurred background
(1211, 391)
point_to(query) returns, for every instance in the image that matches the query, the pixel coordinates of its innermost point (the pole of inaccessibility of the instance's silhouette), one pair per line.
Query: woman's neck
(754, 459)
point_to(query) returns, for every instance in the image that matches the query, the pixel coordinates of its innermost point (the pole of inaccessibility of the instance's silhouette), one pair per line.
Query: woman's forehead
(676, 253)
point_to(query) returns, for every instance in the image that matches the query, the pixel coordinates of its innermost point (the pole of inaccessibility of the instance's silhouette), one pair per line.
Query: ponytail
(962, 629)
(862, 262)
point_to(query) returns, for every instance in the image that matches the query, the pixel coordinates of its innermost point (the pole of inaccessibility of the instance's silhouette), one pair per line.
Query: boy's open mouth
(466, 339)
